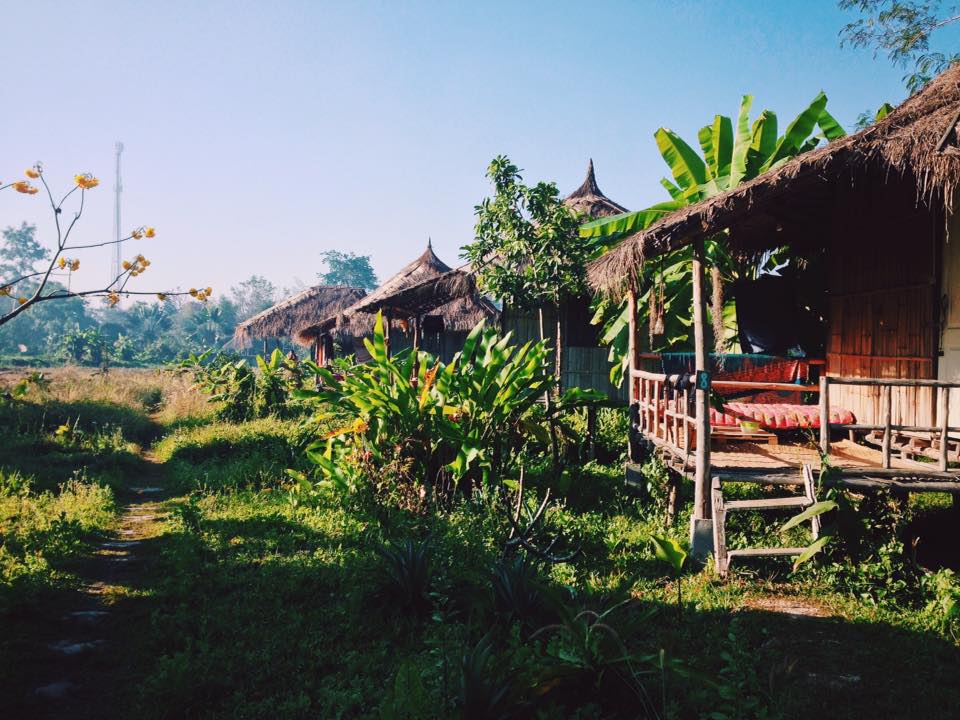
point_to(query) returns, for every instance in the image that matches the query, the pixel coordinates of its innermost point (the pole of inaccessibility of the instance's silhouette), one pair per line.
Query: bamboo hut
(288, 317)
(878, 206)
(437, 327)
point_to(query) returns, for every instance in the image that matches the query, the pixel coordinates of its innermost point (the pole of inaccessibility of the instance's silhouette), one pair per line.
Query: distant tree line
(141, 333)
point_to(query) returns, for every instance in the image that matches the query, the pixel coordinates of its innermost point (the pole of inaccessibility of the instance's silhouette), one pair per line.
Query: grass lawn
(248, 602)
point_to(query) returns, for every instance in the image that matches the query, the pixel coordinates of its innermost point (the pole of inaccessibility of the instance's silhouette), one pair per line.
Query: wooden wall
(883, 314)
(585, 362)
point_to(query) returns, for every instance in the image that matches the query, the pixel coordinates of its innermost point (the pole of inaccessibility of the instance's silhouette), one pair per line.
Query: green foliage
(517, 592)
(428, 424)
(483, 693)
(347, 268)
(533, 235)
(408, 574)
(733, 156)
(902, 29)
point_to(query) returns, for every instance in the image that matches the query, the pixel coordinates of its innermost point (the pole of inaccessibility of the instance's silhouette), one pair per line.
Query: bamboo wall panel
(882, 316)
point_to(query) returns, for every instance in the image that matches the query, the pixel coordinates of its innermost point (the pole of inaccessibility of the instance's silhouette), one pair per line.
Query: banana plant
(730, 154)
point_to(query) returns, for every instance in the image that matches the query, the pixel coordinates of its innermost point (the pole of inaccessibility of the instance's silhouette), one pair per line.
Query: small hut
(880, 207)
(439, 329)
(285, 319)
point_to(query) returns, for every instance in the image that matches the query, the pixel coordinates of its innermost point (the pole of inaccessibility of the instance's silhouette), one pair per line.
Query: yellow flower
(22, 300)
(62, 262)
(193, 292)
(5, 290)
(22, 186)
(150, 232)
(145, 263)
(86, 181)
(126, 265)
(137, 234)
(75, 265)
(31, 173)
(161, 296)
(208, 291)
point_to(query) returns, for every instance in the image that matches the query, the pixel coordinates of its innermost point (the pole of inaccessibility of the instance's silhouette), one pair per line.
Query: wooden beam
(944, 427)
(633, 383)
(701, 508)
(824, 415)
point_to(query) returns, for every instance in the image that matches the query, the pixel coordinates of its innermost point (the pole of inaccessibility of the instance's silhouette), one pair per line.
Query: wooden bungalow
(878, 206)
(283, 321)
(439, 329)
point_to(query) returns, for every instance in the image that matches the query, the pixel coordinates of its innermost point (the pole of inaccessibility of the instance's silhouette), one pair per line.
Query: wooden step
(768, 503)
(764, 552)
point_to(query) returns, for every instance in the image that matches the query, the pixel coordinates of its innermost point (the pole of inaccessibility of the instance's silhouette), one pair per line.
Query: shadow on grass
(253, 613)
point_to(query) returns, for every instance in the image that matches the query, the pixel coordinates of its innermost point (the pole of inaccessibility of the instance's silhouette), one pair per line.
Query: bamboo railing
(887, 427)
(664, 411)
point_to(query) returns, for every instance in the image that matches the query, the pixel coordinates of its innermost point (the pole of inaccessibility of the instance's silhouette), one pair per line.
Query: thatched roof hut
(589, 200)
(460, 313)
(917, 143)
(288, 317)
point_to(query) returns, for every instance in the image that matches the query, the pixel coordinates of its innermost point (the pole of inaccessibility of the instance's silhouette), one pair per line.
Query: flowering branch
(113, 291)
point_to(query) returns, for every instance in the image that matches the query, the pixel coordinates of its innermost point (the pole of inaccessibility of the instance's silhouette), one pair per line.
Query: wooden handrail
(891, 382)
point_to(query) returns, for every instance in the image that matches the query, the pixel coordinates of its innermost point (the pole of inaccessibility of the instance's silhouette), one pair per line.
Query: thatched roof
(288, 317)
(588, 199)
(917, 143)
(458, 312)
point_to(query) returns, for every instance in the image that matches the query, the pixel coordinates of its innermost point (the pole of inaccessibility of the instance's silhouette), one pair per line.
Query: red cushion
(778, 416)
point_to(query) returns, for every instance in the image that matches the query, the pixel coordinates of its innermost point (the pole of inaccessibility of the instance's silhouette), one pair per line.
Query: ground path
(84, 648)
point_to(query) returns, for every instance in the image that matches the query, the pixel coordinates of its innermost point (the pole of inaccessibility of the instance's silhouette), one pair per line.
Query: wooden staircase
(722, 556)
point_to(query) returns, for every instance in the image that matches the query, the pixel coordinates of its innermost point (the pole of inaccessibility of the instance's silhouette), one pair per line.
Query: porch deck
(861, 467)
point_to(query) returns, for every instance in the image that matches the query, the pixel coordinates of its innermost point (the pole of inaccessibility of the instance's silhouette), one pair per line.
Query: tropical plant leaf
(797, 132)
(811, 550)
(619, 226)
(831, 129)
(741, 143)
(688, 169)
(815, 510)
(668, 550)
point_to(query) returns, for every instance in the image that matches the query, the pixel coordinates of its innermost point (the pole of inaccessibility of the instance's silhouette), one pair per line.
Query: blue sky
(260, 134)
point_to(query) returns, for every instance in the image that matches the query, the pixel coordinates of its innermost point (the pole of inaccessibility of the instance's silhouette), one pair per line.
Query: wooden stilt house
(879, 208)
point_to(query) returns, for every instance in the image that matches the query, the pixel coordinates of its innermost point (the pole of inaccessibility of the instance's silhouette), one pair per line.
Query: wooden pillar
(824, 414)
(886, 410)
(632, 384)
(701, 509)
(386, 332)
(944, 427)
(416, 333)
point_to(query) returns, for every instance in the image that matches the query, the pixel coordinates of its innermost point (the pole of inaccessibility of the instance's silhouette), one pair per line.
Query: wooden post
(944, 426)
(701, 508)
(386, 332)
(416, 333)
(824, 414)
(633, 386)
(886, 410)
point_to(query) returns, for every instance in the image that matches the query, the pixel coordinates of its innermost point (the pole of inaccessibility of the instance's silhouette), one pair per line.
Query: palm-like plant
(731, 155)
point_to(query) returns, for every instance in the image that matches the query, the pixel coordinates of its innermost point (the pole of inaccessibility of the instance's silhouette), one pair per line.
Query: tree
(21, 251)
(902, 29)
(20, 277)
(732, 155)
(348, 269)
(527, 253)
(526, 248)
(252, 295)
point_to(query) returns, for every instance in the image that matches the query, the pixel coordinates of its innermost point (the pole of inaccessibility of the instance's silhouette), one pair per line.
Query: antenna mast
(117, 228)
